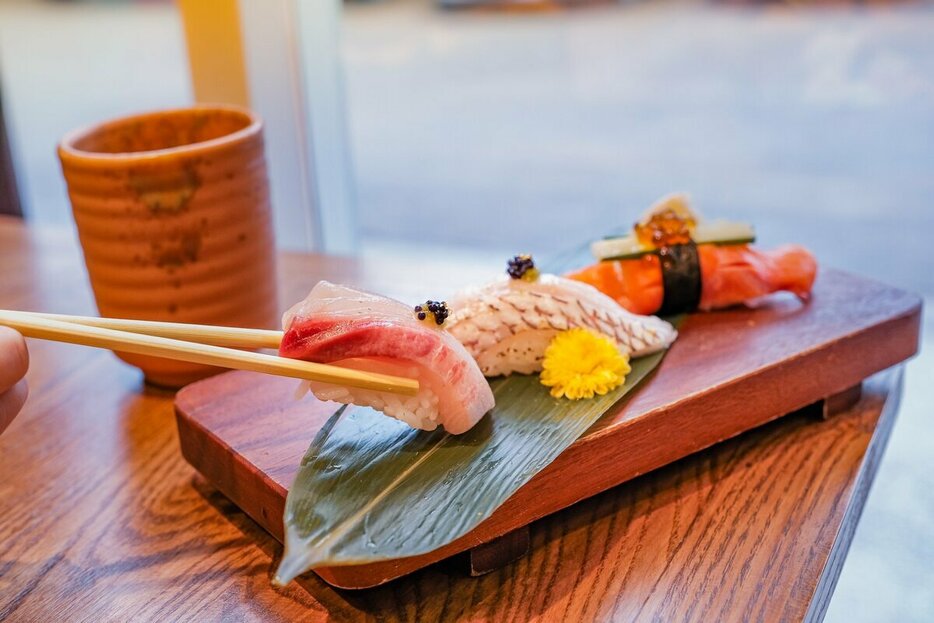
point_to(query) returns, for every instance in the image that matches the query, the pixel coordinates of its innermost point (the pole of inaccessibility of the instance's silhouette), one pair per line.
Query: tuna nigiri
(355, 329)
(674, 262)
(507, 325)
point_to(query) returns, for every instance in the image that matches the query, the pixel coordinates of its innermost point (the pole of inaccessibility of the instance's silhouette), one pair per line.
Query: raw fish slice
(730, 275)
(507, 324)
(355, 329)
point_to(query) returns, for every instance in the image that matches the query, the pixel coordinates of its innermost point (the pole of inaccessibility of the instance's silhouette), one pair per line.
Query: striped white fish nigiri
(507, 325)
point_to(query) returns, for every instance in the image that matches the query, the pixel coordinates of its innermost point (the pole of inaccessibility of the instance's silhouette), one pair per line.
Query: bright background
(475, 134)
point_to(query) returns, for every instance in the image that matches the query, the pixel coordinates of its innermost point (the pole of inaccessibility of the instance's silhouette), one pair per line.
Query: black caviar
(522, 267)
(436, 311)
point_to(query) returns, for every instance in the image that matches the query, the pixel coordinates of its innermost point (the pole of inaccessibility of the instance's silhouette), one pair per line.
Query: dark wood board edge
(499, 552)
(841, 401)
(229, 472)
(854, 507)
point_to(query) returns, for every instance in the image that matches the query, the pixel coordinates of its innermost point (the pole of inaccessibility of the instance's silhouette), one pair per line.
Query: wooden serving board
(728, 372)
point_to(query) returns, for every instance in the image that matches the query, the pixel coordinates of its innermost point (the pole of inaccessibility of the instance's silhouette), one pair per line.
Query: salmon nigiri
(675, 262)
(730, 275)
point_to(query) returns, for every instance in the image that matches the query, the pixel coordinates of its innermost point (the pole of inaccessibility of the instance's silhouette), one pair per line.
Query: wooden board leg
(841, 401)
(499, 552)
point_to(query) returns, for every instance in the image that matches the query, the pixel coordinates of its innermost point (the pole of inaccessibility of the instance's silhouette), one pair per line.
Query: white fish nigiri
(507, 325)
(355, 329)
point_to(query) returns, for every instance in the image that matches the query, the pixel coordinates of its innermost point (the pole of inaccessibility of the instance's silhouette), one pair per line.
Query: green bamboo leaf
(371, 488)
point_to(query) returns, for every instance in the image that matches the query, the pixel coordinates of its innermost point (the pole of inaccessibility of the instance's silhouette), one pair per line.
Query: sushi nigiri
(355, 329)
(729, 275)
(507, 325)
(674, 262)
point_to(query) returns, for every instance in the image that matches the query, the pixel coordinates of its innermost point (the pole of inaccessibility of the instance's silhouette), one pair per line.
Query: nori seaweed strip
(681, 278)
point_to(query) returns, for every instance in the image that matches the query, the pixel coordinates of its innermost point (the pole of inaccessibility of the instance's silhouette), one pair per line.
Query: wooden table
(101, 518)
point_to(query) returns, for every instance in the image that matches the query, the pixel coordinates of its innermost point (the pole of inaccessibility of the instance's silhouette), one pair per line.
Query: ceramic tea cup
(172, 210)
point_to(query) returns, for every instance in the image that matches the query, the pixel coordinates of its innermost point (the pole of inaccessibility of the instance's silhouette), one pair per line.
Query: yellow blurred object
(215, 51)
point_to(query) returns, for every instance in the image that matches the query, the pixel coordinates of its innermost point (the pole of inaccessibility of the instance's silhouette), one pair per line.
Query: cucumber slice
(627, 247)
(724, 232)
(716, 232)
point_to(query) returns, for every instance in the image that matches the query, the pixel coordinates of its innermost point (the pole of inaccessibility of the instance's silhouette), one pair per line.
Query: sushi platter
(727, 372)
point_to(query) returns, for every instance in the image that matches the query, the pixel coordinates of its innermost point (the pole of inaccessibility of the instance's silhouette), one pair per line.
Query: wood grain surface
(728, 372)
(102, 520)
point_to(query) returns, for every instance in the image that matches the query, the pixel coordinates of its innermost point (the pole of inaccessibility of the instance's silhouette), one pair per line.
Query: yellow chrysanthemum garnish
(580, 364)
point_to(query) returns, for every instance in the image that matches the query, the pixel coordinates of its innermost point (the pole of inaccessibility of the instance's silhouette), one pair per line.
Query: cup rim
(66, 147)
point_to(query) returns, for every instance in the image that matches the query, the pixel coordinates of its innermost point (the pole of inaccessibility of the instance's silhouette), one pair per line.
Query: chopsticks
(96, 332)
(231, 337)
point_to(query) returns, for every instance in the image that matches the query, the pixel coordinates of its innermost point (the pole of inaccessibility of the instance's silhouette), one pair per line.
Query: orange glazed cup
(172, 209)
